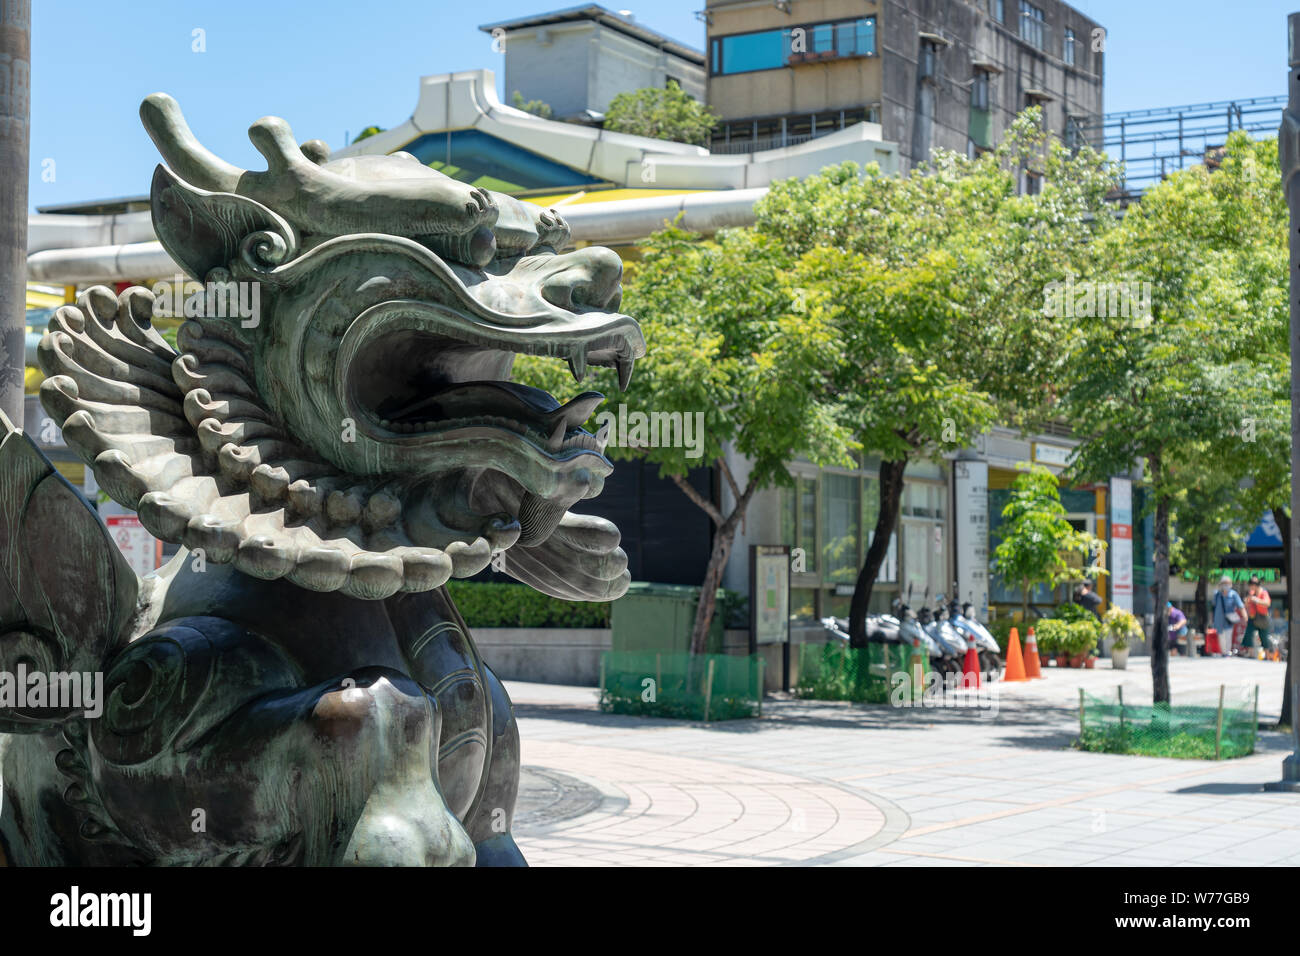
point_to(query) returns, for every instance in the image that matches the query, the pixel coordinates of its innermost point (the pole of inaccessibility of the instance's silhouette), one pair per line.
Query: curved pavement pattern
(817, 783)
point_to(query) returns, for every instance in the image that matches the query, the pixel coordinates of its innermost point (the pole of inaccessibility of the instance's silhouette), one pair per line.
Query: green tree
(934, 285)
(723, 340)
(1037, 539)
(536, 107)
(1189, 374)
(670, 114)
(368, 132)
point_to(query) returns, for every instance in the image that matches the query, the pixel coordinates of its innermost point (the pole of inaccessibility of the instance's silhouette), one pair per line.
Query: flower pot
(1076, 660)
(1119, 659)
(1089, 662)
(1062, 660)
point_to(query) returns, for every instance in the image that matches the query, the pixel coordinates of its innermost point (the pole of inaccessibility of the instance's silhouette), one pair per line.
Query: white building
(602, 53)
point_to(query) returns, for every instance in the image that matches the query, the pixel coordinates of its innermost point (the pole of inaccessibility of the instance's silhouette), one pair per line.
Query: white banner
(971, 479)
(1121, 543)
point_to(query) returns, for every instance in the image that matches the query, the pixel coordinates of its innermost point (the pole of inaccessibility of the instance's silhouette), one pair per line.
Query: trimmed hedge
(501, 604)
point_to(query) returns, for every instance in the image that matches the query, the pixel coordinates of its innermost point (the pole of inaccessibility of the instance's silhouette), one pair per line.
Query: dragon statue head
(340, 412)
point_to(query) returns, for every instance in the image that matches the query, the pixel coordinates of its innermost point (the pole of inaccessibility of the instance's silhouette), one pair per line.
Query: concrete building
(602, 54)
(933, 73)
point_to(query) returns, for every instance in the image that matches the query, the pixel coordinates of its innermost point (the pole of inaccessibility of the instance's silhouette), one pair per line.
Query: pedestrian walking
(1258, 620)
(1229, 610)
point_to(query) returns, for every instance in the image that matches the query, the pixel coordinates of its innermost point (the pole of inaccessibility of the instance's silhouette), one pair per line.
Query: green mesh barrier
(1215, 727)
(835, 671)
(692, 687)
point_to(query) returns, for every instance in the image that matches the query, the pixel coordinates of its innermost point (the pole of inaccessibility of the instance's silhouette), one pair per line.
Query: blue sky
(332, 68)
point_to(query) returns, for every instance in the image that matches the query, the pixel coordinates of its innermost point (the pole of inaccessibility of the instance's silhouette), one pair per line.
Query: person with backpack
(1229, 610)
(1257, 620)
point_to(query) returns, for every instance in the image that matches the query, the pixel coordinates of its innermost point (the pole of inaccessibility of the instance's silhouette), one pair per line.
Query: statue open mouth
(420, 373)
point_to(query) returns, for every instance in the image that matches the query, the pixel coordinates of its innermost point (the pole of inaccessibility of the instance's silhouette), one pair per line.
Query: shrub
(1081, 637)
(1072, 612)
(502, 604)
(1052, 634)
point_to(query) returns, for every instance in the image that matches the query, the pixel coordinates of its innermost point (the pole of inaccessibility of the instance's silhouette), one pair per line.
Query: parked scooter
(966, 623)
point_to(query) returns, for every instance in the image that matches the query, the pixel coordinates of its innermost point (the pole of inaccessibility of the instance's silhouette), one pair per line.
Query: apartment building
(948, 74)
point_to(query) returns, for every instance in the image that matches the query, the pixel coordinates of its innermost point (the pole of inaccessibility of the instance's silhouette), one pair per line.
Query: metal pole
(15, 110)
(1289, 158)
(1218, 727)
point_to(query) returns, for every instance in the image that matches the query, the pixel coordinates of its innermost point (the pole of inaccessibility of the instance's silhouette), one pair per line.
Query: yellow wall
(802, 88)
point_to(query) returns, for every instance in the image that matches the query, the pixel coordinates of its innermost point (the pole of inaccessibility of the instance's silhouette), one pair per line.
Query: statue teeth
(624, 362)
(557, 435)
(578, 365)
(602, 436)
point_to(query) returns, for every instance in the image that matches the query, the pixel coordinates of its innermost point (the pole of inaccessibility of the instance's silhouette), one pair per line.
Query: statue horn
(187, 157)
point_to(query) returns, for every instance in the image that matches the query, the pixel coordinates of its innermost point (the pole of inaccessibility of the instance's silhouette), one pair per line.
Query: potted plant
(1121, 627)
(1080, 641)
(1050, 634)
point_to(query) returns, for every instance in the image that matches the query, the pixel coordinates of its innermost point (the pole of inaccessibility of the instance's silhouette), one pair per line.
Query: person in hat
(1229, 610)
(1257, 620)
(1177, 624)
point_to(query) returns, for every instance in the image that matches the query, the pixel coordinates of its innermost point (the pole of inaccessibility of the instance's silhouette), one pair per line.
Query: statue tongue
(506, 399)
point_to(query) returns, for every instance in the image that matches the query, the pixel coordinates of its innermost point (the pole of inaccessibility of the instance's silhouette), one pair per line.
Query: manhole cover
(548, 796)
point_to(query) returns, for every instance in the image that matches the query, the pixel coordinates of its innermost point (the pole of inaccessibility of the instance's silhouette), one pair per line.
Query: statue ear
(204, 230)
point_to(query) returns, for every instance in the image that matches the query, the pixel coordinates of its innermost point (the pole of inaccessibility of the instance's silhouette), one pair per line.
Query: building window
(775, 49)
(979, 91)
(997, 10)
(840, 510)
(1068, 48)
(1033, 26)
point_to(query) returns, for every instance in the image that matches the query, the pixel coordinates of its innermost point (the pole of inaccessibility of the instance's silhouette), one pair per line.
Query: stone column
(15, 108)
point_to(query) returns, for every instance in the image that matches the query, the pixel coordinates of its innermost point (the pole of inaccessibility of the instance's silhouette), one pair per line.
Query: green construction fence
(693, 687)
(869, 675)
(1214, 727)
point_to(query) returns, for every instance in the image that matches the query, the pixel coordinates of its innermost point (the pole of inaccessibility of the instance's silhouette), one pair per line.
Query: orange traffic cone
(970, 676)
(1015, 663)
(1033, 669)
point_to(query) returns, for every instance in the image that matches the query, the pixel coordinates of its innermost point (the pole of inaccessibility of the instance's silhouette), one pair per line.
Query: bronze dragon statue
(296, 686)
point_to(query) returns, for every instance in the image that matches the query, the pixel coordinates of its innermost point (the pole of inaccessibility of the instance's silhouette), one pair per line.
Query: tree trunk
(1202, 603)
(1159, 629)
(723, 537)
(1283, 520)
(15, 109)
(1024, 605)
(891, 501)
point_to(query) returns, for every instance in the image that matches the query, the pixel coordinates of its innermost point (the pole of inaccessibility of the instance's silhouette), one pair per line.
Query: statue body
(296, 686)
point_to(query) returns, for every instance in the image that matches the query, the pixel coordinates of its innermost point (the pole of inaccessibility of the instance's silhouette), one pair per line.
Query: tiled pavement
(843, 785)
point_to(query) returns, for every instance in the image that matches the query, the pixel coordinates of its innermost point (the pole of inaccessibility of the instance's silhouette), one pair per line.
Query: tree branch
(731, 479)
(699, 499)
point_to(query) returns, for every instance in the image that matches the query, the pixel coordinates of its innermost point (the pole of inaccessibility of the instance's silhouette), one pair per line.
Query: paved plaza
(828, 783)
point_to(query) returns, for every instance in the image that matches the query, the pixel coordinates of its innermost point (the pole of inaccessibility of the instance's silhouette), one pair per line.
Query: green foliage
(1122, 626)
(1052, 635)
(503, 604)
(367, 133)
(1036, 536)
(1072, 612)
(1082, 636)
(536, 107)
(668, 113)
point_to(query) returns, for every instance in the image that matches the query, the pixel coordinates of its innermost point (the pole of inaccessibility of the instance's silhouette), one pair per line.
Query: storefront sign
(971, 480)
(1121, 543)
(1052, 454)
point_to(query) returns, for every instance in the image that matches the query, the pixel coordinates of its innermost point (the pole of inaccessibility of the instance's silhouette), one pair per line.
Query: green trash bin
(659, 617)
